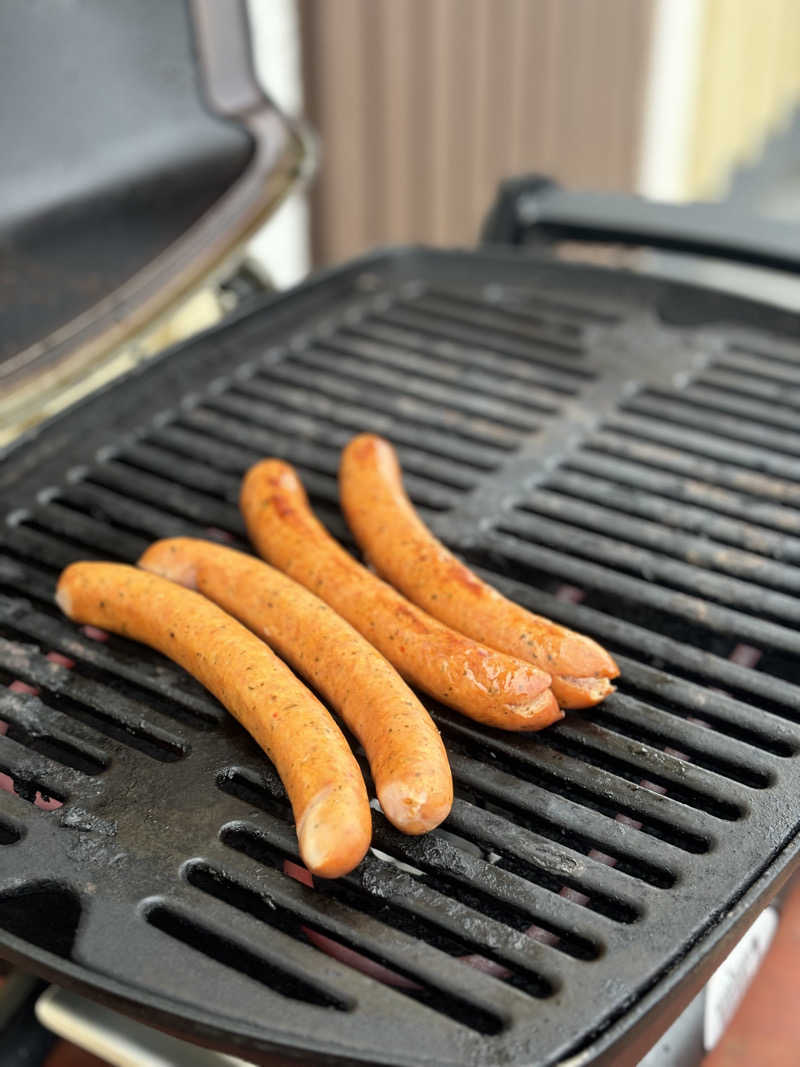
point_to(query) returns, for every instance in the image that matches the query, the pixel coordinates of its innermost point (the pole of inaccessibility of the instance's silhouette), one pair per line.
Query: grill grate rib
(462, 381)
(591, 785)
(463, 405)
(720, 487)
(194, 930)
(450, 361)
(579, 526)
(710, 446)
(499, 319)
(64, 740)
(437, 319)
(642, 591)
(689, 411)
(654, 499)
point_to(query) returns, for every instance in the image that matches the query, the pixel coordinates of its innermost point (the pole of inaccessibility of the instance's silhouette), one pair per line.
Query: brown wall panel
(423, 105)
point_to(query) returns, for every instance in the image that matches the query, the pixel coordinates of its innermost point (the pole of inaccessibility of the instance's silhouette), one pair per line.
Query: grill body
(616, 452)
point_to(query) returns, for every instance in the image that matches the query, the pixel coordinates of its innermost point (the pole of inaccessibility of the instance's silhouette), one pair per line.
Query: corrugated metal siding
(423, 105)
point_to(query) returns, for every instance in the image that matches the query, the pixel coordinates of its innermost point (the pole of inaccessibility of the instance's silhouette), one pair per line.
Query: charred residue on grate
(299, 912)
(222, 950)
(458, 877)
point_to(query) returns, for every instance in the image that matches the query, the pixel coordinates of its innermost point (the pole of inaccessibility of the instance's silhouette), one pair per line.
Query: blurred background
(422, 106)
(148, 185)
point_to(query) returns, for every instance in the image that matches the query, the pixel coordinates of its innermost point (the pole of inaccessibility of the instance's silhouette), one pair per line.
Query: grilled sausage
(319, 771)
(479, 682)
(406, 755)
(405, 553)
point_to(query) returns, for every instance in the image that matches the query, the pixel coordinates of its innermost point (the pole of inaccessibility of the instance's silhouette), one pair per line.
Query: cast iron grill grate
(632, 479)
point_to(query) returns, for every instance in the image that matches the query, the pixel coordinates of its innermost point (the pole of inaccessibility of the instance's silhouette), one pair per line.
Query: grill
(616, 452)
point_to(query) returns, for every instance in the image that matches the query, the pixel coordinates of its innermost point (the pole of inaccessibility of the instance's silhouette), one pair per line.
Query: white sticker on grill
(730, 981)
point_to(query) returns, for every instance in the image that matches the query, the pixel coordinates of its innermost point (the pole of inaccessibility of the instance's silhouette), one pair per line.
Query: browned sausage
(483, 684)
(406, 755)
(405, 552)
(316, 766)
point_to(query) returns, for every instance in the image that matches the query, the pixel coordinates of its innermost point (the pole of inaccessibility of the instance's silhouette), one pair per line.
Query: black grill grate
(632, 479)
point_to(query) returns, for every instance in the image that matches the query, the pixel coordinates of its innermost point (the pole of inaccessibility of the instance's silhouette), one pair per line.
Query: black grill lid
(618, 453)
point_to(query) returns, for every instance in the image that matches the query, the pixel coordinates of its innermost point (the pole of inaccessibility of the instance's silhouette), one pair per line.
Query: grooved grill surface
(615, 473)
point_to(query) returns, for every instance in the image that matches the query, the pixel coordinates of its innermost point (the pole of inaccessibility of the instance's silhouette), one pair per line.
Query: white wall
(668, 111)
(281, 248)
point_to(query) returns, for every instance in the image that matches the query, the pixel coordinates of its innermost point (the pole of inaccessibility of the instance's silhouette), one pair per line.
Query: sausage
(404, 552)
(320, 773)
(479, 682)
(404, 749)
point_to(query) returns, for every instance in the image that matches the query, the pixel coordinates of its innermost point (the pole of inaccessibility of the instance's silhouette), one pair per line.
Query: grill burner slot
(640, 598)
(192, 932)
(414, 907)
(707, 756)
(144, 671)
(211, 882)
(586, 542)
(688, 411)
(328, 395)
(496, 394)
(438, 320)
(763, 471)
(454, 874)
(523, 803)
(645, 493)
(451, 361)
(555, 502)
(570, 780)
(34, 725)
(525, 302)
(92, 703)
(514, 322)
(46, 915)
(9, 835)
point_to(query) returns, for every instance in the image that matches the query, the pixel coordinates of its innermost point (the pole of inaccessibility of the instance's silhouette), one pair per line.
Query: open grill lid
(619, 453)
